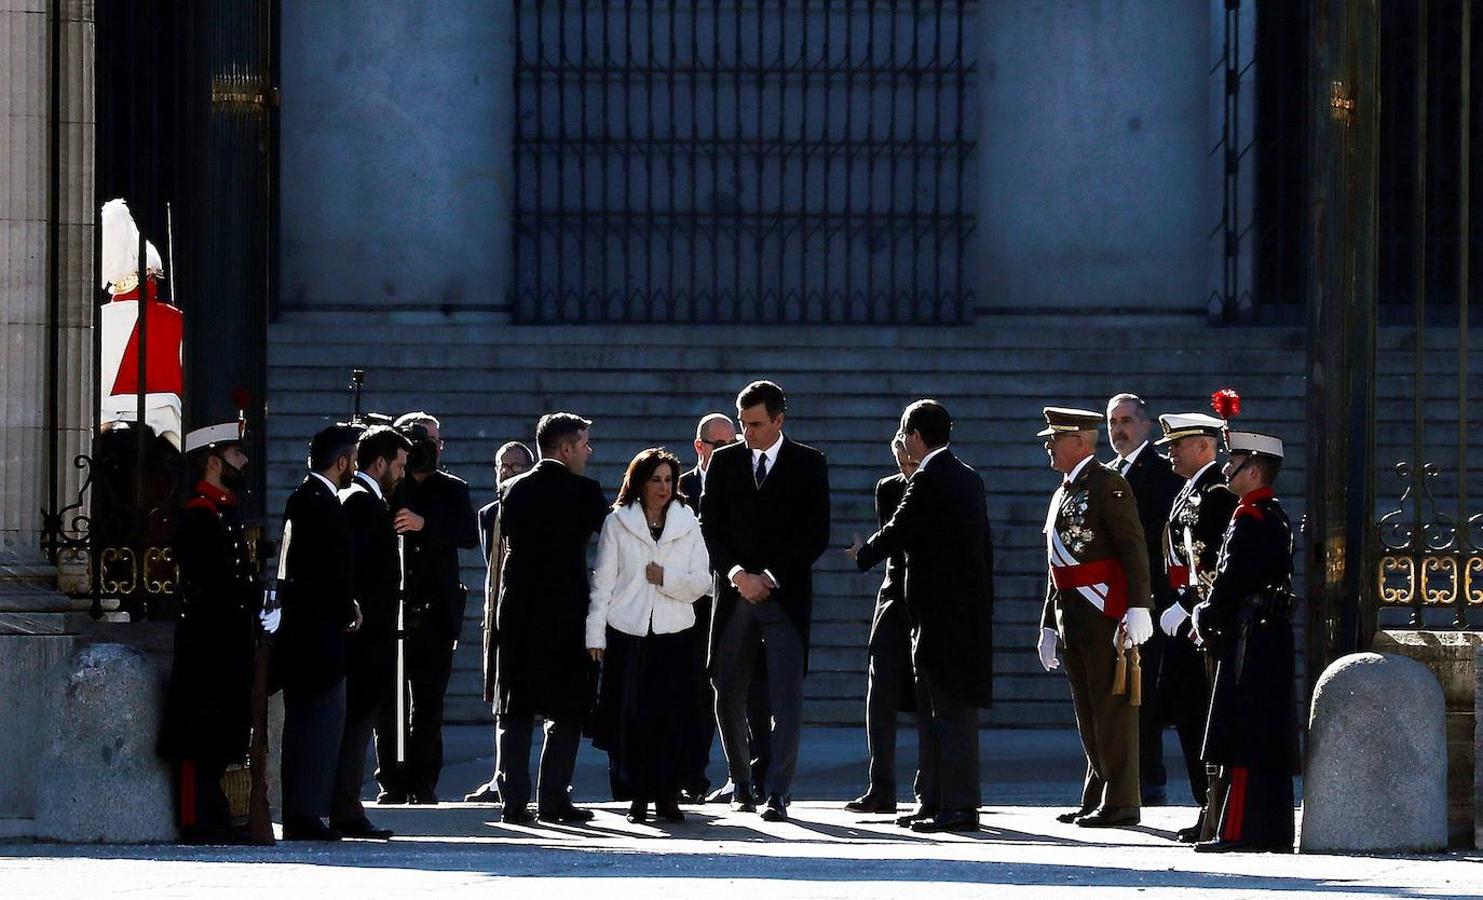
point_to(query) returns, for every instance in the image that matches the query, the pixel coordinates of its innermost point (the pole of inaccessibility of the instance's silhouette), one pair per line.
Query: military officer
(1191, 543)
(1252, 730)
(207, 721)
(1097, 602)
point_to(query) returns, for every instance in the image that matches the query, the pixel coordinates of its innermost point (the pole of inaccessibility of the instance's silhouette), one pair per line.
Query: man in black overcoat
(1190, 545)
(889, 689)
(316, 593)
(1130, 430)
(381, 460)
(942, 526)
(765, 518)
(432, 511)
(547, 517)
(207, 719)
(511, 459)
(1252, 731)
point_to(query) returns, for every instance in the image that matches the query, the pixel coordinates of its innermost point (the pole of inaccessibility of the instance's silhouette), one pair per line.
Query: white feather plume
(121, 245)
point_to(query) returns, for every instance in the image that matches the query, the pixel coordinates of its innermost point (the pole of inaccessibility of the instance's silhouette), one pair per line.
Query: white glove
(1173, 618)
(270, 618)
(1047, 648)
(1137, 625)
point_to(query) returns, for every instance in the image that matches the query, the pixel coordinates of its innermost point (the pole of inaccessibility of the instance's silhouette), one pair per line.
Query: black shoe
(692, 797)
(308, 830)
(1191, 835)
(744, 798)
(638, 812)
(1069, 818)
(776, 810)
(1111, 817)
(391, 798)
(423, 796)
(1221, 845)
(517, 815)
(871, 803)
(362, 829)
(484, 793)
(669, 811)
(567, 815)
(922, 814)
(948, 821)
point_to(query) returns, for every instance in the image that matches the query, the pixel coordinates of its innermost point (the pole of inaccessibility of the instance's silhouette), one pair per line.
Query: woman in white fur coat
(652, 566)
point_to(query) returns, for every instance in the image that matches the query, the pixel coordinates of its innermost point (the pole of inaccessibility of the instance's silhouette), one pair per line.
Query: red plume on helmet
(1226, 403)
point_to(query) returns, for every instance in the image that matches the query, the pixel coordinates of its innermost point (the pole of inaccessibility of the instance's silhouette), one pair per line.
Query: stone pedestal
(1451, 658)
(1376, 779)
(103, 781)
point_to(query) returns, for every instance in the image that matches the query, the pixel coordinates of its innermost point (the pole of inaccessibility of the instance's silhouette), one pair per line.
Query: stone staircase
(646, 385)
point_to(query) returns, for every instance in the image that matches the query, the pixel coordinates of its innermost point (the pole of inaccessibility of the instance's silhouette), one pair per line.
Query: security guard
(1252, 730)
(1097, 601)
(1191, 544)
(207, 720)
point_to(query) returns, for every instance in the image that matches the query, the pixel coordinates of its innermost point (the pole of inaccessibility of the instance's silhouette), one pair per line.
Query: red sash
(1178, 576)
(1104, 571)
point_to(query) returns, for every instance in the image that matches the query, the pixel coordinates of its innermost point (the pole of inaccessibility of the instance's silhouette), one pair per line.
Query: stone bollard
(1376, 779)
(101, 781)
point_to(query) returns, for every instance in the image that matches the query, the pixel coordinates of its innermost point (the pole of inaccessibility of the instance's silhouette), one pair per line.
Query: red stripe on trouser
(1235, 805)
(187, 793)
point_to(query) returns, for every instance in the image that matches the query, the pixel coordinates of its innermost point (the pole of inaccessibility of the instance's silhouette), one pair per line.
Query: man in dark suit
(1154, 484)
(435, 517)
(765, 517)
(381, 460)
(542, 668)
(889, 689)
(713, 432)
(316, 592)
(942, 526)
(511, 459)
(1190, 548)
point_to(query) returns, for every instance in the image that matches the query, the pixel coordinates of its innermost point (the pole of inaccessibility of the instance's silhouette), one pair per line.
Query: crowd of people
(1167, 603)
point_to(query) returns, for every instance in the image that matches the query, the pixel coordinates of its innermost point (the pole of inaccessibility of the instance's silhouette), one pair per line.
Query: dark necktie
(1065, 484)
(761, 469)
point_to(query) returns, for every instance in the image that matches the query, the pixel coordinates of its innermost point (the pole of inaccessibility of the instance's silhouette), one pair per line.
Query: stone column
(36, 620)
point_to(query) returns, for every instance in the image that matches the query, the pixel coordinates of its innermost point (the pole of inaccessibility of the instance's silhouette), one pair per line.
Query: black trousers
(1152, 775)
(1258, 807)
(429, 666)
(889, 674)
(350, 771)
(313, 724)
(200, 804)
(947, 731)
(558, 761)
(750, 627)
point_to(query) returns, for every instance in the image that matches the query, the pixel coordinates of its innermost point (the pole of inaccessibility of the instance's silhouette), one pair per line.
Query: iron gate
(729, 161)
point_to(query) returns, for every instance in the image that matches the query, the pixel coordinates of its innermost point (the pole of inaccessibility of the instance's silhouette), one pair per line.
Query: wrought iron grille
(772, 161)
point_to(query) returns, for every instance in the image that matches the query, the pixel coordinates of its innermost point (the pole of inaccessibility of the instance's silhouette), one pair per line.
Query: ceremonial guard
(1252, 731)
(1191, 545)
(1097, 603)
(207, 720)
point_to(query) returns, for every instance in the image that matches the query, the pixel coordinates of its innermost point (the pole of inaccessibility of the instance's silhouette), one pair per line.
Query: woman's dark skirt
(644, 710)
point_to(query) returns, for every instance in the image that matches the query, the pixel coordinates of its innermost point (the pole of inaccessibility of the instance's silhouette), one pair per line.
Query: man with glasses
(1097, 603)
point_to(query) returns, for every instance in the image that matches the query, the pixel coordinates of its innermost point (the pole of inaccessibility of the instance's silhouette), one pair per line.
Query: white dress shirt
(772, 460)
(327, 483)
(928, 458)
(1124, 463)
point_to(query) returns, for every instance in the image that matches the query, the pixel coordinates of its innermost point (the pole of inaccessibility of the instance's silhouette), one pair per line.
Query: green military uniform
(1097, 567)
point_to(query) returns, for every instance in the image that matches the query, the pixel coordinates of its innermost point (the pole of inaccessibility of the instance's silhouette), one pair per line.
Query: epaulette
(199, 502)
(1250, 510)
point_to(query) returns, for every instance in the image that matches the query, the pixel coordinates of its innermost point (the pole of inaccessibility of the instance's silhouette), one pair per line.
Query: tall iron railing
(743, 161)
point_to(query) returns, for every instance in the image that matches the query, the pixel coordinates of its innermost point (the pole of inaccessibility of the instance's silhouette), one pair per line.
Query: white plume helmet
(120, 263)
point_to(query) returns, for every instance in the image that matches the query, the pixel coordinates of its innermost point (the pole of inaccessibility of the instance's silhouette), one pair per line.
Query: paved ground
(824, 852)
